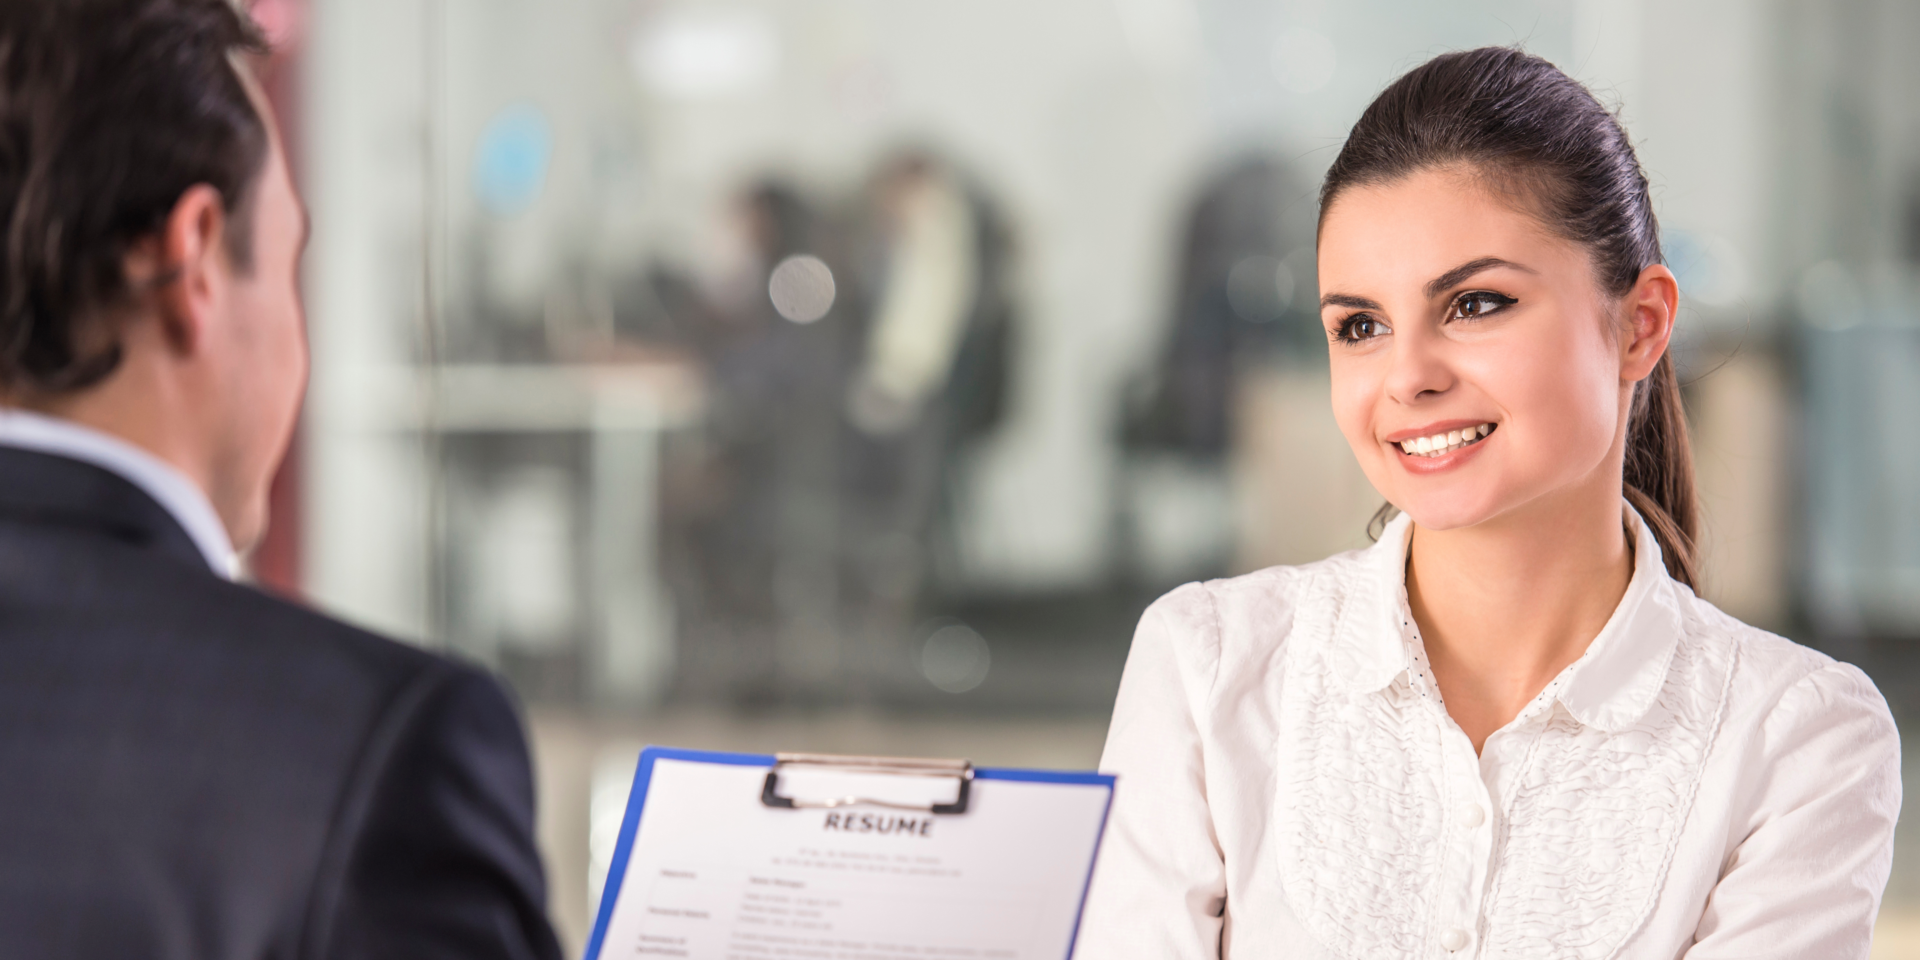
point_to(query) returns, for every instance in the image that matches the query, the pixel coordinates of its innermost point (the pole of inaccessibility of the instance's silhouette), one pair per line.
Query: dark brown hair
(110, 110)
(1532, 131)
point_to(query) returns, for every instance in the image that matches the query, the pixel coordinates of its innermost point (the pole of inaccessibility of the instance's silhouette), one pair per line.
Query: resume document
(708, 870)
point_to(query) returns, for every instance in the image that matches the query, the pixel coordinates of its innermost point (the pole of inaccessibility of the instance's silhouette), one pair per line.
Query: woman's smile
(1440, 440)
(1441, 448)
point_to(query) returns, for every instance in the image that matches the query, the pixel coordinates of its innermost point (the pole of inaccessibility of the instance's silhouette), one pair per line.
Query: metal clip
(961, 770)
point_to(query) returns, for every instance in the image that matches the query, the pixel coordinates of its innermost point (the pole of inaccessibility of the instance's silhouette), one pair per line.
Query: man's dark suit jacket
(193, 770)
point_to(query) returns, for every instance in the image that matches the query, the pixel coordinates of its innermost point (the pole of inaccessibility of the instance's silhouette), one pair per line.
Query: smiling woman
(1511, 727)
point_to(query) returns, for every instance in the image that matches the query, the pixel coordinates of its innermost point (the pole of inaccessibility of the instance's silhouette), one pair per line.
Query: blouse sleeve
(1159, 888)
(1806, 880)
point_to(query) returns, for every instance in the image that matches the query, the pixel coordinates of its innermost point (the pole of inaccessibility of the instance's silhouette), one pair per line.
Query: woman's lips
(1443, 449)
(1442, 442)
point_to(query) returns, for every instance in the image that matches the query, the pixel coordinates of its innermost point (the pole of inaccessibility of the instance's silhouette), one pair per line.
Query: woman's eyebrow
(1439, 284)
(1347, 300)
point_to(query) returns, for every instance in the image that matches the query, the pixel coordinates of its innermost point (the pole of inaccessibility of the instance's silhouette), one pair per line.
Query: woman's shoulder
(1810, 738)
(1779, 682)
(1255, 613)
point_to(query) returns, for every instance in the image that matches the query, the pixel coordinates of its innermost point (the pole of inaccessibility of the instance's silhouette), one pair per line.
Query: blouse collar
(1610, 687)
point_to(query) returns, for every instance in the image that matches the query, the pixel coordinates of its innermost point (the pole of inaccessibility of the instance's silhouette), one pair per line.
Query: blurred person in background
(929, 378)
(1511, 728)
(805, 526)
(190, 768)
(754, 531)
(1233, 272)
(1234, 321)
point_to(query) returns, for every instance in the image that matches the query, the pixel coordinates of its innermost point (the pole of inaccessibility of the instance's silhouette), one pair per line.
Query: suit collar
(55, 489)
(183, 500)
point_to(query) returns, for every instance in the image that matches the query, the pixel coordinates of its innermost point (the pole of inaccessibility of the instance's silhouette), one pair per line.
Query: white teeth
(1440, 443)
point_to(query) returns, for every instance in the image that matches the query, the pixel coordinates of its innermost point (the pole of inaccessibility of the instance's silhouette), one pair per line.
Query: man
(189, 768)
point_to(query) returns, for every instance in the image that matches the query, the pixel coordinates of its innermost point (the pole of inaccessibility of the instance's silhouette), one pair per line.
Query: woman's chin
(1448, 513)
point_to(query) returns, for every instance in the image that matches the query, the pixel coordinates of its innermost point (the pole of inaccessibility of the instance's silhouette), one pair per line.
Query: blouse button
(1453, 939)
(1472, 816)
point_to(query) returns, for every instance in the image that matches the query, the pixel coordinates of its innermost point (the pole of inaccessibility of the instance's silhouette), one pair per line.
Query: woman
(1510, 728)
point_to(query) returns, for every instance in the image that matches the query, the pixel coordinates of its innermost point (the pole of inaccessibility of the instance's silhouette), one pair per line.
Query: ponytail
(1658, 475)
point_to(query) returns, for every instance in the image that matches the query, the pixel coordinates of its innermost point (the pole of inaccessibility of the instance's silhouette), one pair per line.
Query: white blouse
(1291, 786)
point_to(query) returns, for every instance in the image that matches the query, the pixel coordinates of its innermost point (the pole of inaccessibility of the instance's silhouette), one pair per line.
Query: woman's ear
(1651, 306)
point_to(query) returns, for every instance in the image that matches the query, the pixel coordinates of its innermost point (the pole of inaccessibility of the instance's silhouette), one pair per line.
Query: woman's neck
(1504, 606)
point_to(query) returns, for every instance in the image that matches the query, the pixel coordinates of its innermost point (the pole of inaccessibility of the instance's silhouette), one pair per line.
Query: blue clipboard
(643, 775)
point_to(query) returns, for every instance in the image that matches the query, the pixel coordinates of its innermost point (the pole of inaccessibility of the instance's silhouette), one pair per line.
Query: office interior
(847, 375)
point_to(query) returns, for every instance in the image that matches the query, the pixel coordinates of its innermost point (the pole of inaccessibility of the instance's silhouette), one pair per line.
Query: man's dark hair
(110, 110)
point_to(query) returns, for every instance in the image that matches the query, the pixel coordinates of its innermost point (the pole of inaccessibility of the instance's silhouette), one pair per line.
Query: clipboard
(725, 855)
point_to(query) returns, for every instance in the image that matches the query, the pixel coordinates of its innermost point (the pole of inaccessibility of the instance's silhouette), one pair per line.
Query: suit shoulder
(242, 615)
(326, 633)
(441, 696)
(233, 646)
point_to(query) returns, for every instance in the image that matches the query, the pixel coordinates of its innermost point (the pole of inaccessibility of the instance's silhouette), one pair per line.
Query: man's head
(149, 259)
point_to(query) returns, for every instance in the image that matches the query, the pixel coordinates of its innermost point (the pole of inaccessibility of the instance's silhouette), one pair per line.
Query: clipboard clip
(960, 770)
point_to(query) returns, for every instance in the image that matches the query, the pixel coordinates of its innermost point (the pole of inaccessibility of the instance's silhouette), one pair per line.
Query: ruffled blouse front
(1290, 785)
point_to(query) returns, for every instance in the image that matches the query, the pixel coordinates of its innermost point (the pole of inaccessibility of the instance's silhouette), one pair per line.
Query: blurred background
(847, 375)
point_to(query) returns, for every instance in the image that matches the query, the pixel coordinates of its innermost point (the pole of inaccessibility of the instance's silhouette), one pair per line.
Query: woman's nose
(1418, 371)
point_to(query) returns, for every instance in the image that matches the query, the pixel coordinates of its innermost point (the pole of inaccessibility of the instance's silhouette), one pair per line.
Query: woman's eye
(1359, 327)
(1480, 303)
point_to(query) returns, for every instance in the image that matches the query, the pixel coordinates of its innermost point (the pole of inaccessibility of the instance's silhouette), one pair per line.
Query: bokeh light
(801, 288)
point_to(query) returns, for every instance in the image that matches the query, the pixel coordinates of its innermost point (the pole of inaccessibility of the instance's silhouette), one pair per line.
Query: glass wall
(694, 361)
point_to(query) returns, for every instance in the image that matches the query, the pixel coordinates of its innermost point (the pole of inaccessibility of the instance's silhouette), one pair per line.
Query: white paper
(714, 874)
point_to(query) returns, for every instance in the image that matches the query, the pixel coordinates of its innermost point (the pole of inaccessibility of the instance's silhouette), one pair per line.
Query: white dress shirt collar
(1610, 687)
(179, 496)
